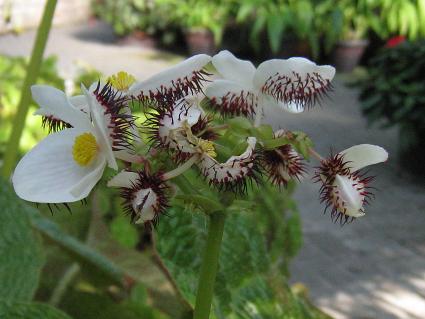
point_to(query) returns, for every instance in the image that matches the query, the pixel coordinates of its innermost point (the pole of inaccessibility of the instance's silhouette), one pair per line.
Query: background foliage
(270, 25)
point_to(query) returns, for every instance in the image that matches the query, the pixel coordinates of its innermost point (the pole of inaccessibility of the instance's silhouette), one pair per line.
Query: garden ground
(372, 268)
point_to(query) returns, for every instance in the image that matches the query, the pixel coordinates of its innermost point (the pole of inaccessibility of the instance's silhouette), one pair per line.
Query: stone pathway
(373, 268)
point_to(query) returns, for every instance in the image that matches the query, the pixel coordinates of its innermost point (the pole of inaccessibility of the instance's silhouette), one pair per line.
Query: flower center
(121, 81)
(207, 147)
(85, 149)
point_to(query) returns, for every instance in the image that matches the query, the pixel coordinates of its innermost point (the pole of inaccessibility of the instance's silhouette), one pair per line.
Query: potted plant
(203, 23)
(287, 26)
(392, 93)
(355, 18)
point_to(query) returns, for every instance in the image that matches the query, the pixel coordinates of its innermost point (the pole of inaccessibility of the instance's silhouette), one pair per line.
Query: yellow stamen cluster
(207, 147)
(121, 81)
(85, 149)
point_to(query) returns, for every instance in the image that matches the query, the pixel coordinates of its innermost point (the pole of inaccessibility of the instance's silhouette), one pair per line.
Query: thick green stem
(31, 76)
(209, 267)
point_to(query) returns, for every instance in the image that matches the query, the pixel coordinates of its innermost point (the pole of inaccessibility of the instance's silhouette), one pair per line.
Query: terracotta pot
(200, 41)
(138, 38)
(348, 53)
(292, 47)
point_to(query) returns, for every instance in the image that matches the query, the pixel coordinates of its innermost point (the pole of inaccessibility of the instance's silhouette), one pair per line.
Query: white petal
(362, 155)
(80, 103)
(232, 97)
(349, 195)
(167, 77)
(128, 156)
(290, 107)
(48, 172)
(100, 122)
(123, 179)
(234, 168)
(301, 66)
(234, 69)
(143, 204)
(54, 102)
(86, 184)
(295, 79)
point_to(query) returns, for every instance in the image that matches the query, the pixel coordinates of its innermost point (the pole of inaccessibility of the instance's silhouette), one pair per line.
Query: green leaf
(275, 28)
(84, 254)
(275, 142)
(20, 250)
(85, 305)
(264, 131)
(20, 310)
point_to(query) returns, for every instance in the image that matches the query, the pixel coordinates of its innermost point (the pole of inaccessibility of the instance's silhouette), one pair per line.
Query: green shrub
(393, 90)
(392, 94)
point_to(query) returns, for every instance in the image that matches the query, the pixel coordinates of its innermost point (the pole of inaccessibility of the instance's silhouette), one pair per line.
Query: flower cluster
(187, 112)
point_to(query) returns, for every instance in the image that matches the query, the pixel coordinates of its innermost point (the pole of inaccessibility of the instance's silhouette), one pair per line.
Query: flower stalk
(209, 267)
(181, 169)
(31, 76)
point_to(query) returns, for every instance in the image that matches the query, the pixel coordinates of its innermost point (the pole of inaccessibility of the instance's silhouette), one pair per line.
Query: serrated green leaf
(20, 250)
(275, 142)
(264, 132)
(20, 310)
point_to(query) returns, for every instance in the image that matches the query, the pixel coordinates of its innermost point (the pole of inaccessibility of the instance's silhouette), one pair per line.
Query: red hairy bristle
(236, 104)
(178, 88)
(146, 181)
(303, 92)
(283, 164)
(121, 124)
(326, 174)
(53, 124)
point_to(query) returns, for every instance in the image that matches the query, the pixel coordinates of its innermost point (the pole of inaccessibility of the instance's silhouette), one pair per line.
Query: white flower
(66, 165)
(175, 128)
(232, 174)
(291, 84)
(144, 195)
(344, 187)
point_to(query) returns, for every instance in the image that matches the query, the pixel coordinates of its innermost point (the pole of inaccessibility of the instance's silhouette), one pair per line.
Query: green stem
(31, 76)
(209, 267)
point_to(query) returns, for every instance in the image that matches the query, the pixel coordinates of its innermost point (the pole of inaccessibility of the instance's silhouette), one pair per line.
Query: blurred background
(372, 268)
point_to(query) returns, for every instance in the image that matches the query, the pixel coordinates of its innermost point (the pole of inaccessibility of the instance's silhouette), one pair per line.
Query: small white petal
(143, 204)
(296, 80)
(301, 66)
(290, 107)
(234, 168)
(100, 122)
(234, 69)
(362, 155)
(123, 179)
(48, 172)
(80, 103)
(54, 102)
(128, 156)
(346, 190)
(232, 97)
(167, 77)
